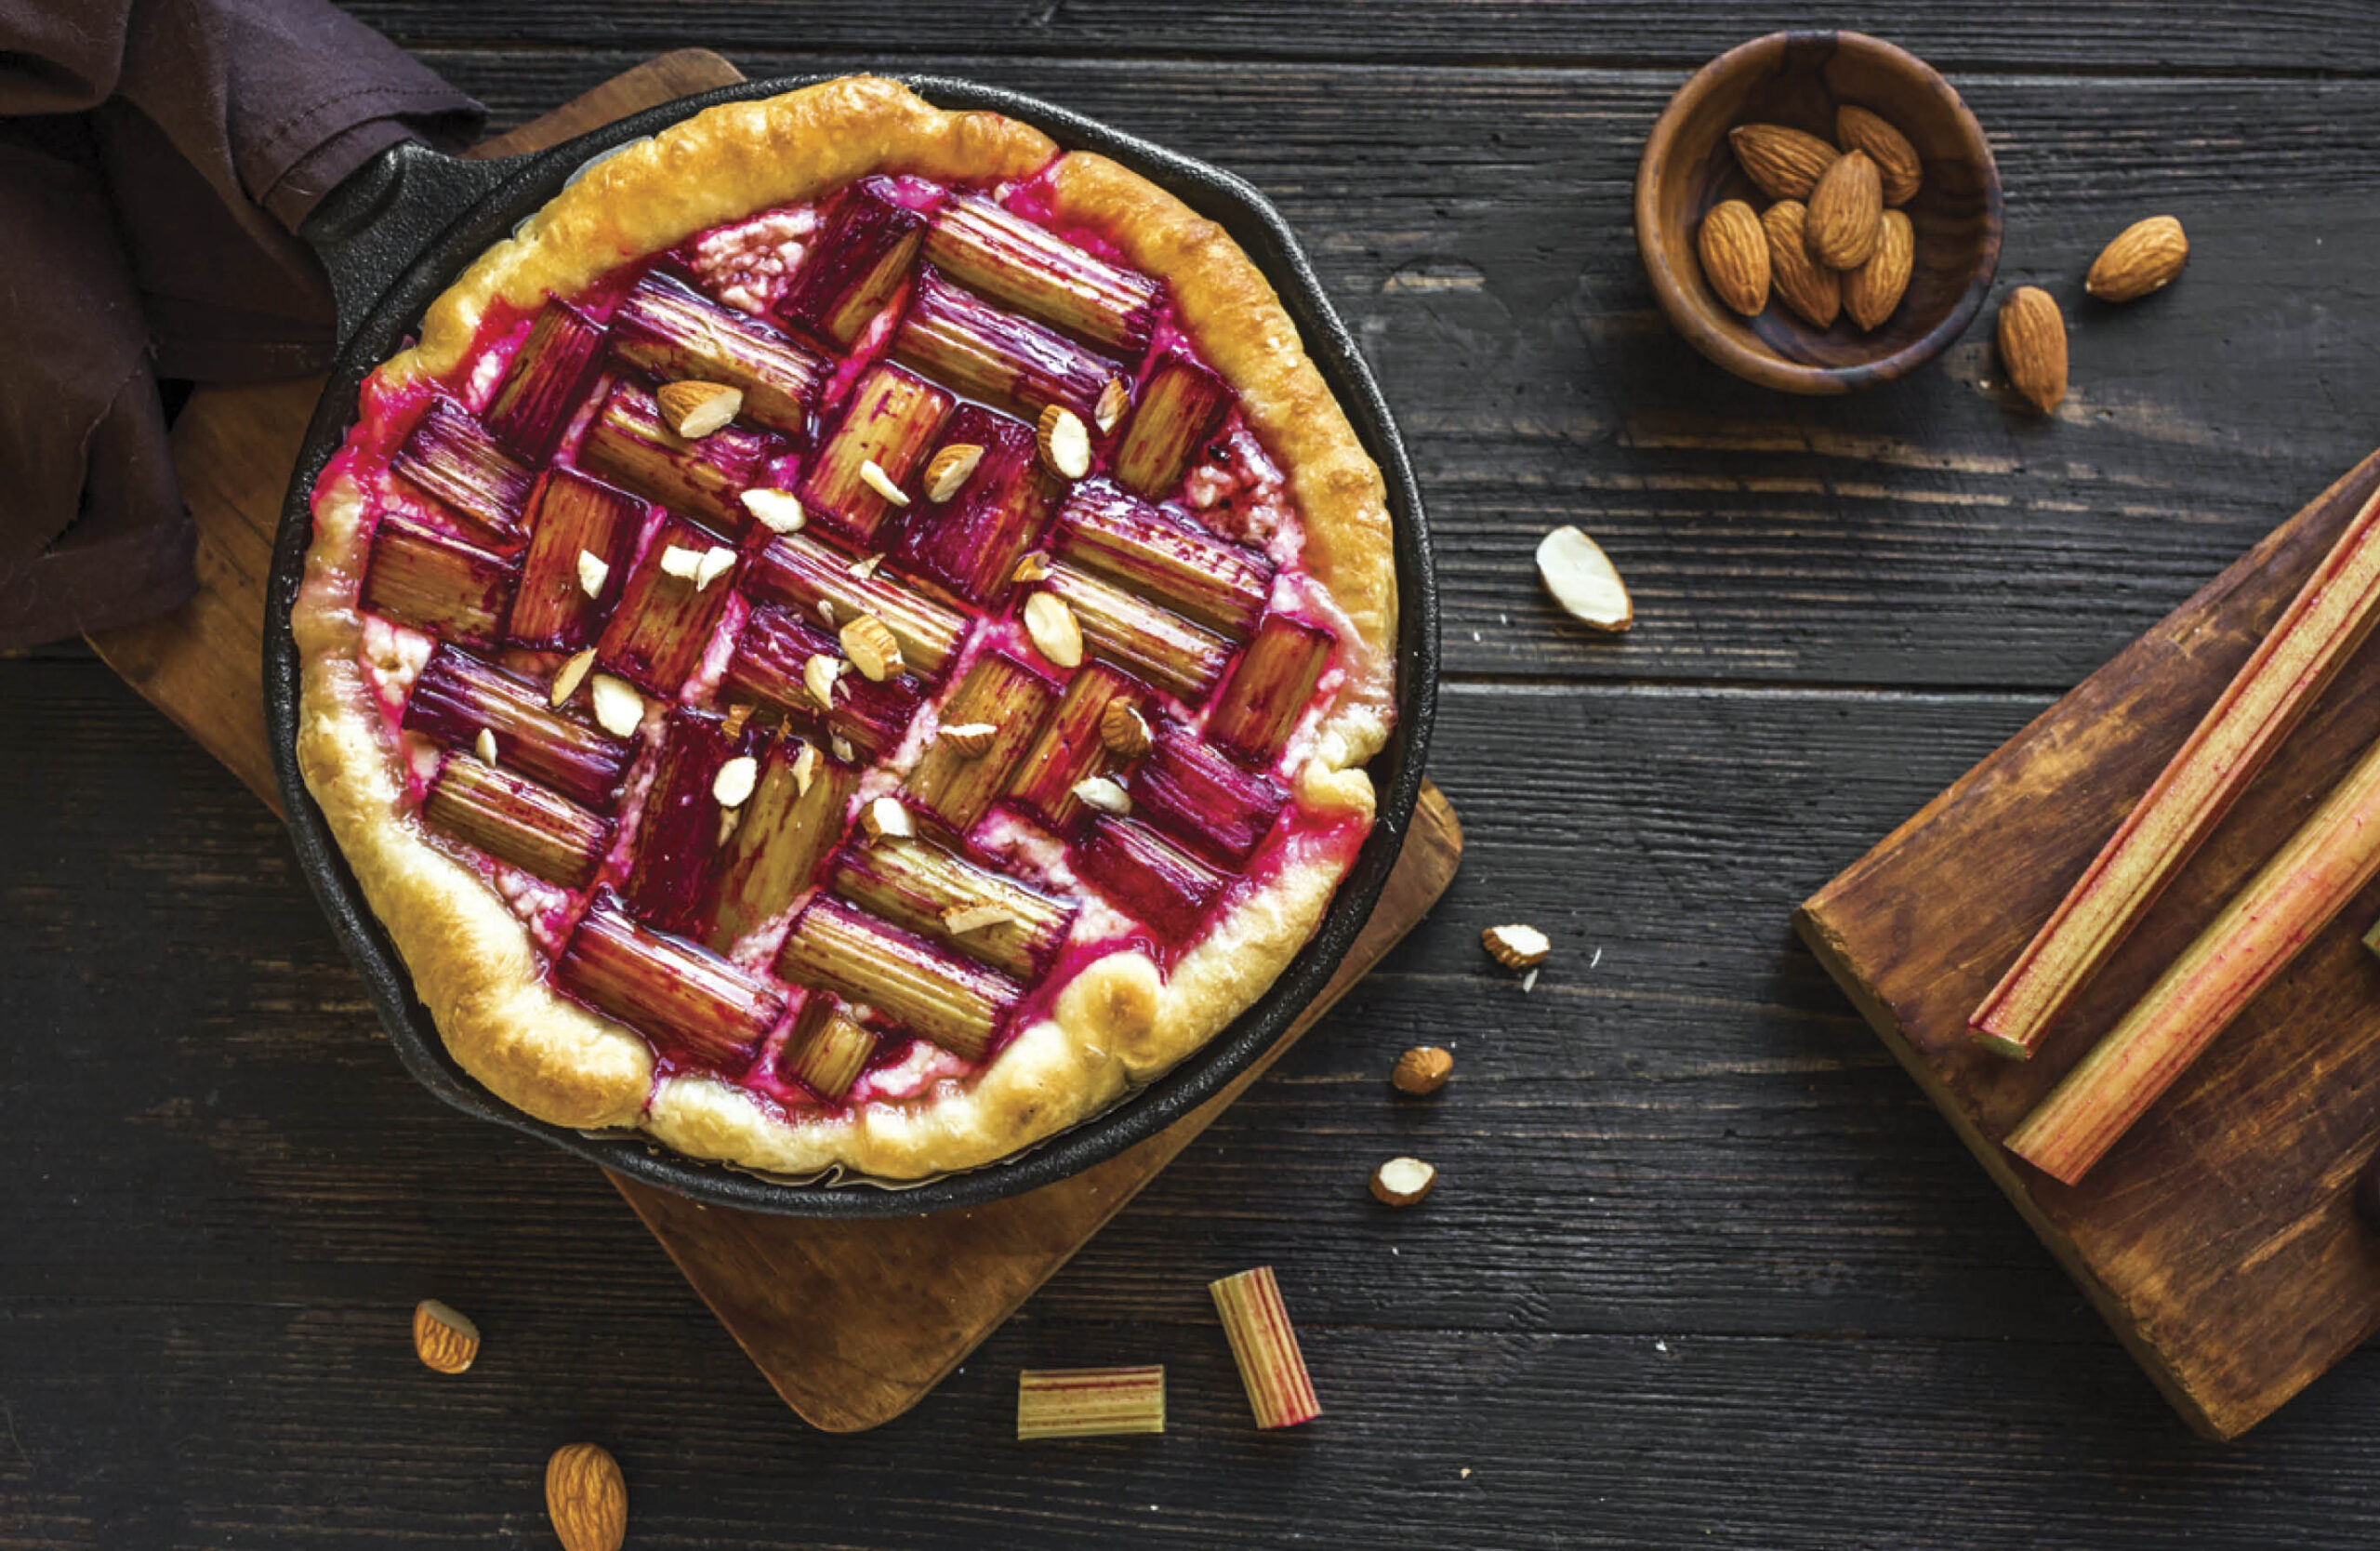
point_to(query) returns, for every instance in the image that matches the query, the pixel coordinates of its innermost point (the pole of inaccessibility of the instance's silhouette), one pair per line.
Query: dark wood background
(1703, 1267)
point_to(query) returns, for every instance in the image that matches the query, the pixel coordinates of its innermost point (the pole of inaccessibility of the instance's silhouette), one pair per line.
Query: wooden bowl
(1798, 79)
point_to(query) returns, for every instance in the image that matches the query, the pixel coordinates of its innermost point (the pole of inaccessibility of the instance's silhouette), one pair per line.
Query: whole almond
(1871, 291)
(694, 409)
(950, 469)
(1422, 1070)
(2033, 346)
(1735, 255)
(444, 1339)
(1844, 212)
(587, 1498)
(1784, 163)
(2145, 257)
(1802, 283)
(1896, 165)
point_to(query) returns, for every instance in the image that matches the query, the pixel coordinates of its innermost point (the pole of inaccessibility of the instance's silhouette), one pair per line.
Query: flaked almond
(840, 747)
(679, 561)
(728, 819)
(1051, 625)
(1871, 291)
(960, 920)
(694, 409)
(1813, 291)
(778, 510)
(593, 572)
(733, 786)
(872, 474)
(619, 710)
(2033, 346)
(950, 471)
(862, 569)
(1844, 212)
(2145, 257)
(873, 648)
(970, 739)
(569, 676)
(736, 717)
(716, 563)
(1734, 249)
(805, 769)
(1123, 729)
(1786, 164)
(1422, 1070)
(1898, 168)
(1108, 413)
(1099, 791)
(1065, 442)
(818, 676)
(1583, 580)
(1032, 567)
(1403, 1180)
(444, 1339)
(485, 745)
(587, 1498)
(1516, 946)
(884, 817)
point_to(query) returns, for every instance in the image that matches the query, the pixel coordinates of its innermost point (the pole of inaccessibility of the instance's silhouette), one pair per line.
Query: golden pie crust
(1121, 1021)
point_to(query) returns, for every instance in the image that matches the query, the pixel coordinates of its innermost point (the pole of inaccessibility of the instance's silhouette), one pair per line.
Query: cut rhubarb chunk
(964, 343)
(858, 262)
(678, 842)
(1190, 788)
(664, 624)
(458, 696)
(668, 330)
(1268, 692)
(944, 898)
(772, 667)
(1264, 1344)
(939, 996)
(1070, 748)
(1088, 1402)
(693, 1004)
(1146, 876)
(547, 381)
(571, 517)
(999, 691)
(1030, 268)
(889, 421)
(971, 543)
(1163, 557)
(514, 819)
(816, 581)
(1181, 404)
(438, 582)
(451, 456)
(1136, 635)
(793, 820)
(827, 1049)
(628, 446)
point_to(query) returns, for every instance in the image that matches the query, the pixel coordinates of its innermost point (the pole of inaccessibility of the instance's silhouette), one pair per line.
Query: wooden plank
(2218, 1237)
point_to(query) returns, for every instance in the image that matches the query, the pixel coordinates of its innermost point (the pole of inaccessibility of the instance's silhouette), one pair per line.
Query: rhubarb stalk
(818, 582)
(666, 617)
(1070, 746)
(827, 1050)
(772, 666)
(858, 261)
(692, 1002)
(451, 456)
(443, 584)
(547, 380)
(1151, 550)
(677, 836)
(1148, 877)
(1269, 690)
(2264, 927)
(516, 820)
(1136, 635)
(792, 821)
(944, 898)
(966, 344)
(1013, 261)
(570, 517)
(970, 542)
(889, 421)
(999, 691)
(1181, 404)
(1088, 1402)
(1190, 788)
(627, 444)
(457, 696)
(666, 327)
(939, 996)
(1264, 1344)
(2329, 619)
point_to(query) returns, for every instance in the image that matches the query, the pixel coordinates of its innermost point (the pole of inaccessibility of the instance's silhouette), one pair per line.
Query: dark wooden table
(1703, 1267)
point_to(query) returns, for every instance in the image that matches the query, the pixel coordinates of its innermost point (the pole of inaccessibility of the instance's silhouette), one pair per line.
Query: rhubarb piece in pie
(1147, 876)
(936, 995)
(684, 827)
(828, 1049)
(970, 540)
(1164, 557)
(697, 1005)
(438, 582)
(966, 344)
(792, 821)
(513, 819)
(672, 604)
(672, 332)
(1180, 405)
(450, 456)
(1188, 787)
(941, 896)
(582, 534)
(773, 666)
(627, 444)
(1270, 687)
(820, 583)
(1071, 746)
(888, 423)
(999, 691)
(1144, 640)
(547, 381)
(458, 696)
(998, 254)
(858, 263)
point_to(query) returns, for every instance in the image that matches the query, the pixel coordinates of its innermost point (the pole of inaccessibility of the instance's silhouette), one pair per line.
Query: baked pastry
(850, 642)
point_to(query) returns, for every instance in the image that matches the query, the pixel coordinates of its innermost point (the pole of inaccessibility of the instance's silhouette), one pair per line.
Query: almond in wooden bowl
(1801, 81)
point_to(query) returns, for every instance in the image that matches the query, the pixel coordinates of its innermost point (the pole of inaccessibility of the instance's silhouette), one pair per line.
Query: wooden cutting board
(853, 1322)
(2218, 1237)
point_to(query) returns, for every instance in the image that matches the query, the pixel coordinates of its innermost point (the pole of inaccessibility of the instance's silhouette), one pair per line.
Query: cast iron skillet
(398, 231)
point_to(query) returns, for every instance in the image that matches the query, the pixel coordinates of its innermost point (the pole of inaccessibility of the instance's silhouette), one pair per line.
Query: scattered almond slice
(485, 745)
(736, 717)
(1088, 1402)
(1051, 625)
(862, 569)
(872, 474)
(805, 769)
(950, 470)
(818, 676)
(873, 648)
(1403, 1180)
(1517, 947)
(970, 739)
(1113, 401)
(1099, 791)
(827, 611)
(1124, 730)
(593, 572)
(778, 510)
(444, 1339)
(619, 710)
(963, 918)
(694, 409)
(884, 817)
(842, 747)
(1583, 580)
(679, 561)
(1031, 567)
(1065, 442)
(1264, 1344)
(728, 819)
(717, 562)
(569, 676)
(735, 781)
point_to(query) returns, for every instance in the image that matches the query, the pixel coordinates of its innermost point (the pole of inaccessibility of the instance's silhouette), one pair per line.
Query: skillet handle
(384, 213)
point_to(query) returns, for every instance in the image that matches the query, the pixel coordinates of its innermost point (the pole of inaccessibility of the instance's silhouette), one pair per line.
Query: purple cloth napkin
(155, 158)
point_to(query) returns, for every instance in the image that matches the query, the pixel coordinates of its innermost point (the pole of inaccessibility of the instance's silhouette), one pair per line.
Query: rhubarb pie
(850, 642)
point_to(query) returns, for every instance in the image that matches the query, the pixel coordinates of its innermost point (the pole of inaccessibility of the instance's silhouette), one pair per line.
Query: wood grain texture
(2218, 1236)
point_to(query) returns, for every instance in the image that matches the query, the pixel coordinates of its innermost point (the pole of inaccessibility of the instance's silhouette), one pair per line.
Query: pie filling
(824, 743)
